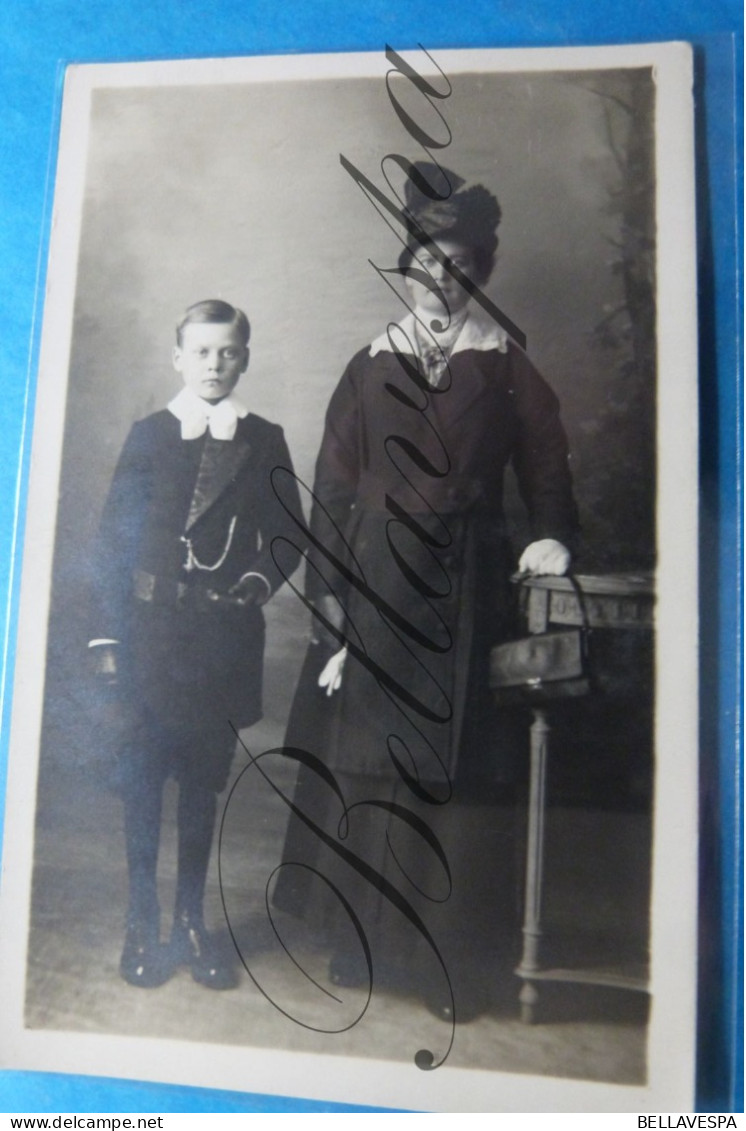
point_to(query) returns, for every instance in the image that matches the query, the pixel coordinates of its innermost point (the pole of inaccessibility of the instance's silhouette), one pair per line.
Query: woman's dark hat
(444, 206)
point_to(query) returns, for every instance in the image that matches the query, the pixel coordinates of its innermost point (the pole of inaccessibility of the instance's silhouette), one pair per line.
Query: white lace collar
(479, 332)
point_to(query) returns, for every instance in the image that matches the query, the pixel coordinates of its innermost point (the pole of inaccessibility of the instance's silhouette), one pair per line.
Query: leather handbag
(545, 666)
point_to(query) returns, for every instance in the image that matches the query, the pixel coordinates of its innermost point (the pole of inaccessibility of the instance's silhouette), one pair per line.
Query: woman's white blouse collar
(479, 332)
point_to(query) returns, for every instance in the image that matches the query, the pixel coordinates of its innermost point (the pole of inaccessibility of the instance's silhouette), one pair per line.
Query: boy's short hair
(213, 310)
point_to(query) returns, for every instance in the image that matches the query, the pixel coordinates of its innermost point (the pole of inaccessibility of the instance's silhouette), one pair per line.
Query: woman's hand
(546, 557)
(331, 677)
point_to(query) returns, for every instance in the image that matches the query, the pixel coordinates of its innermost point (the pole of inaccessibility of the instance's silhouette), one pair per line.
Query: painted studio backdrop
(237, 192)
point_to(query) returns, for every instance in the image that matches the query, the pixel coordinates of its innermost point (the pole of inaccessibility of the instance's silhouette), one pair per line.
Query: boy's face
(211, 358)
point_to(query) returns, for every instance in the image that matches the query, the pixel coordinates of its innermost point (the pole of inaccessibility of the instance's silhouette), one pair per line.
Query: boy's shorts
(151, 753)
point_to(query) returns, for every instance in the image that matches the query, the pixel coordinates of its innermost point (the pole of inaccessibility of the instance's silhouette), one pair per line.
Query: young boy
(184, 565)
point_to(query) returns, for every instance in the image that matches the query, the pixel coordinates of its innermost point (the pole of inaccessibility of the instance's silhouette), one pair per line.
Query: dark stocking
(142, 826)
(196, 823)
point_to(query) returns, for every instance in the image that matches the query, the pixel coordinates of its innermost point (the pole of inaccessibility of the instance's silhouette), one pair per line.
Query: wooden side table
(612, 602)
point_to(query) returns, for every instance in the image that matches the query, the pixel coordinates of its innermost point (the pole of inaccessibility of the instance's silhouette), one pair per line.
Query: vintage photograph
(354, 738)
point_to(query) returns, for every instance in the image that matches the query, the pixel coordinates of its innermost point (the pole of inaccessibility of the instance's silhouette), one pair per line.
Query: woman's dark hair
(214, 310)
(469, 215)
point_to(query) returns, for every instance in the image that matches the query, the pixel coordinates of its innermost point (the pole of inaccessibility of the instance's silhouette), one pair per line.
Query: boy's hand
(252, 589)
(103, 661)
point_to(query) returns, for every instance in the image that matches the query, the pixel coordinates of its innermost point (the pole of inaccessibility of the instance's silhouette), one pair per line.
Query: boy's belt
(165, 591)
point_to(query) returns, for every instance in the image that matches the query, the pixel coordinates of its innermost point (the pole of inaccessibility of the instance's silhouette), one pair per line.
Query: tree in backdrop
(619, 502)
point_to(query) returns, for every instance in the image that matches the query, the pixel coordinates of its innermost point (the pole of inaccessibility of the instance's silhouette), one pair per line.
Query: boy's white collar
(196, 415)
(479, 332)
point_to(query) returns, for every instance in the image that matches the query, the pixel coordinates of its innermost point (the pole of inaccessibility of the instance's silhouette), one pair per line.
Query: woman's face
(433, 277)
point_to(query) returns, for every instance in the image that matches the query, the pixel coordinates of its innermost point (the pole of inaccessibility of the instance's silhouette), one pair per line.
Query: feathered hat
(467, 213)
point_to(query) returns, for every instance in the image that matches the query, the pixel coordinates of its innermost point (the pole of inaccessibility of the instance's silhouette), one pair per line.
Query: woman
(401, 847)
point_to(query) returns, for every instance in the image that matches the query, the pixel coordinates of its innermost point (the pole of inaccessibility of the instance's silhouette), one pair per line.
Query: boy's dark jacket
(190, 660)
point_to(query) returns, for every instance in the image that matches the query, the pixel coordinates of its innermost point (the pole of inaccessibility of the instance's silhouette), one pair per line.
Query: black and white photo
(356, 676)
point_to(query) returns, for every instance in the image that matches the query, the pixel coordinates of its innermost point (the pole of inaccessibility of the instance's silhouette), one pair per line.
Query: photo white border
(672, 1028)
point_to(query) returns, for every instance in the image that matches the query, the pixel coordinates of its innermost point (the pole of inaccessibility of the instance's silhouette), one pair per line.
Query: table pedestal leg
(534, 865)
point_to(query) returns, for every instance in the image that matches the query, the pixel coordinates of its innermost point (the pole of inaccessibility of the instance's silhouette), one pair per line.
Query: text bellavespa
(698, 1121)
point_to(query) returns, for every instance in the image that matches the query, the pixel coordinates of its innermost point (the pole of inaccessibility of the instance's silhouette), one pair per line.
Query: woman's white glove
(331, 677)
(546, 557)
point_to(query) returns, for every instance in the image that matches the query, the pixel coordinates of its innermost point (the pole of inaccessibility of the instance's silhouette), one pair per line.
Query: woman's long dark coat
(408, 534)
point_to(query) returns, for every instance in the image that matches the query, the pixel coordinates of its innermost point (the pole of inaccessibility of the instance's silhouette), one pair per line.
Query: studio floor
(596, 882)
(79, 896)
